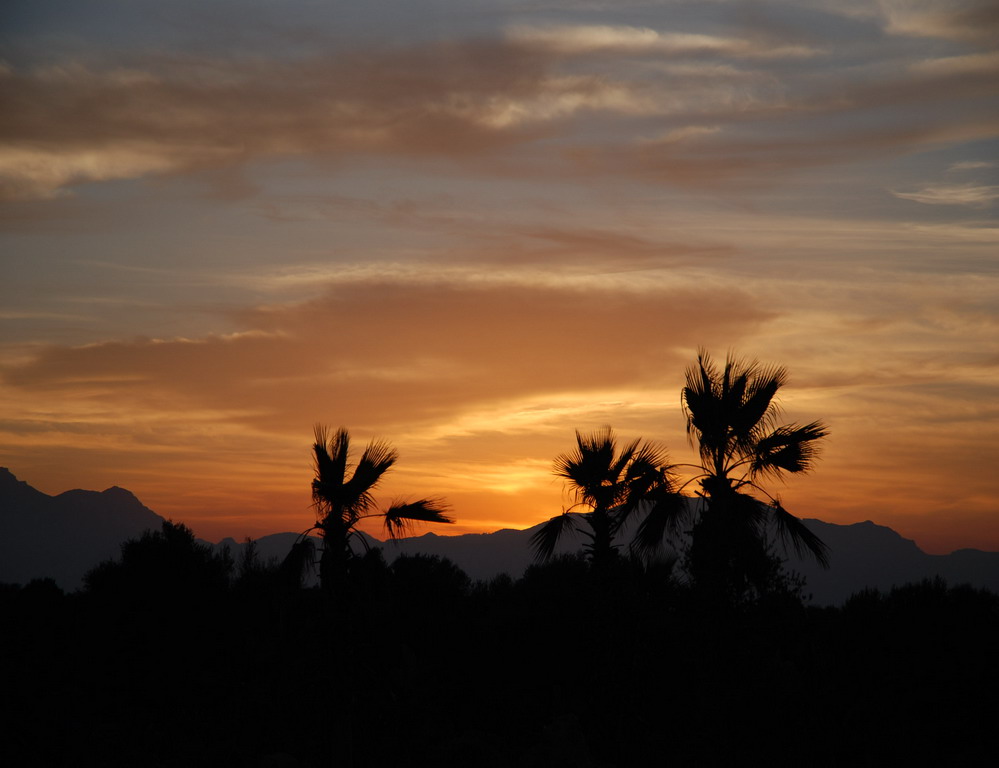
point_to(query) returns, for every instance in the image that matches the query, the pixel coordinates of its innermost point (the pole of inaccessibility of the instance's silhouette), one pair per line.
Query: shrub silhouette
(162, 564)
(428, 580)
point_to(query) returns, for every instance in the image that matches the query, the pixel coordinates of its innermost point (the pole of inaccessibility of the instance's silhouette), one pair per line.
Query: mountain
(862, 555)
(63, 536)
(870, 555)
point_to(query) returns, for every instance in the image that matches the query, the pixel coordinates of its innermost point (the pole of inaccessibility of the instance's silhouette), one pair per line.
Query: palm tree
(342, 495)
(611, 485)
(733, 415)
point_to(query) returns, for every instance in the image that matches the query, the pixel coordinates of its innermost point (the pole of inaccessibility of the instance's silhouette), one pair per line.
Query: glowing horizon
(471, 233)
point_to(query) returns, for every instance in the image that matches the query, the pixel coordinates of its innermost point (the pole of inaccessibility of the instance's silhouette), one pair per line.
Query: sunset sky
(471, 227)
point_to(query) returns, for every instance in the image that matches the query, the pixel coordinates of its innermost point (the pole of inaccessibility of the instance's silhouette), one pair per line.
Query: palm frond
(331, 452)
(377, 459)
(668, 512)
(573, 466)
(789, 448)
(400, 516)
(649, 479)
(791, 530)
(591, 468)
(648, 458)
(735, 381)
(583, 476)
(546, 538)
(749, 512)
(702, 400)
(619, 466)
(758, 403)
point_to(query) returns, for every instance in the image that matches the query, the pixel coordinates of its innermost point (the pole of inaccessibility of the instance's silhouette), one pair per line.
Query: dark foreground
(416, 666)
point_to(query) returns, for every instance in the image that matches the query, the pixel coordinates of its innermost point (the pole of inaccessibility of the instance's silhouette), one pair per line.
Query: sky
(471, 228)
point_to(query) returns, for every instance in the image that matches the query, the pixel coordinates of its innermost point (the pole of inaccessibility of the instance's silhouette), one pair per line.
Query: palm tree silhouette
(611, 484)
(733, 415)
(342, 495)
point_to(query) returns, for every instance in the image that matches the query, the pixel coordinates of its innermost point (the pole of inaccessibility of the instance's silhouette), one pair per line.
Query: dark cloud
(64, 124)
(470, 100)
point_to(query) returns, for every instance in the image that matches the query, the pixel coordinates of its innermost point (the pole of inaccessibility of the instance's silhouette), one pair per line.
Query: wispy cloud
(963, 20)
(534, 90)
(972, 165)
(81, 124)
(966, 64)
(971, 195)
(584, 39)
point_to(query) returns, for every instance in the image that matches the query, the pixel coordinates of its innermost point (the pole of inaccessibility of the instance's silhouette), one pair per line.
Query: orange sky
(474, 234)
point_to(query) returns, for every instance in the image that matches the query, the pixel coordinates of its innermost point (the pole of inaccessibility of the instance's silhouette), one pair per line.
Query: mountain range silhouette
(61, 537)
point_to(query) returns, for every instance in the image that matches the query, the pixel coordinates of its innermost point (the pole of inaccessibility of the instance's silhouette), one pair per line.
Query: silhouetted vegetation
(188, 659)
(611, 485)
(168, 564)
(342, 495)
(733, 415)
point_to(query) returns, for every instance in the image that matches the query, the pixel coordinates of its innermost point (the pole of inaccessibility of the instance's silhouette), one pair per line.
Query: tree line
(182, 655)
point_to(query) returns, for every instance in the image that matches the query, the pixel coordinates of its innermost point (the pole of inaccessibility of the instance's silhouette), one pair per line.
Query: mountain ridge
(63, 536)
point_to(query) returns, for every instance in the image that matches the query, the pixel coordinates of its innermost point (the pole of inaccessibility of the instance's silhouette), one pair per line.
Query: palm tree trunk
(728, 561)
(333, 561)
(602, 550)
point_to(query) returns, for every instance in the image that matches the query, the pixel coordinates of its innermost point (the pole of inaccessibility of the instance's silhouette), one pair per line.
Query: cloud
(40, 174)
(428, 363)
(552, 93)
(480, 380)
(687, 133)
(464, 100)
(971, 195)
(971, 165)
(383, 352)
(71, 124)
(617, 250)
(759, 135)
(986, 64)
(962, 20)
(586, 39)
